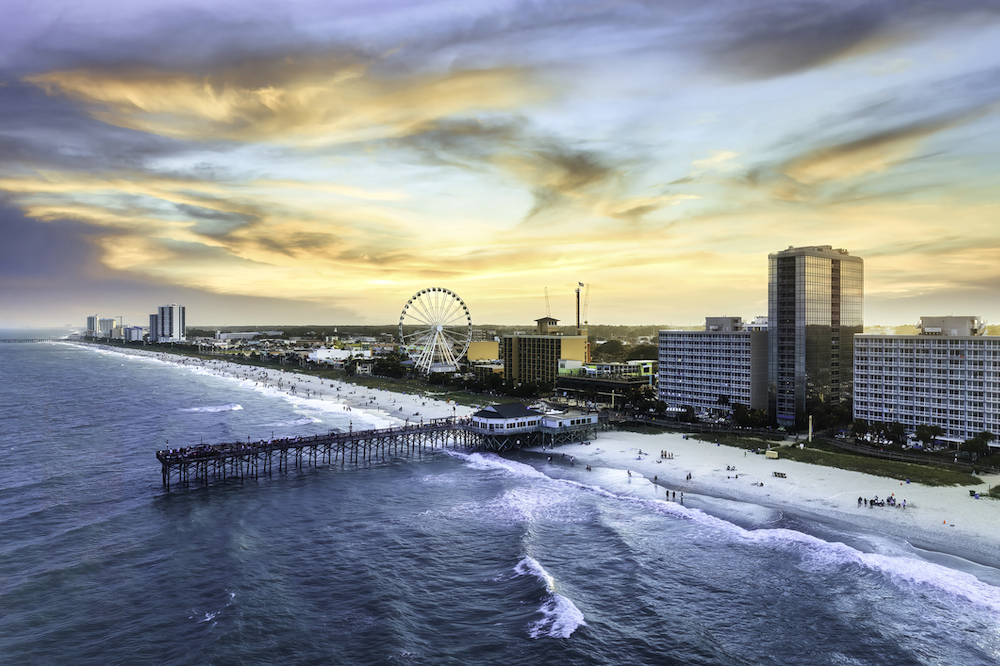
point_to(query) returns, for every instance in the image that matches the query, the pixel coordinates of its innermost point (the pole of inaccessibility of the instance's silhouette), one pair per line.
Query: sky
(320, 162)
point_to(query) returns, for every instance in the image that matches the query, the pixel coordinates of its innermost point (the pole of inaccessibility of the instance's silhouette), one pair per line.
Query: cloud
(213, 222)
(52, 273)
(329, 188)
(306, 101)
(871, 154)
(777, 38)
(846, 170)
(721, 160)
(561, 177)
(44, 132)
(350, 155)
(470, 142)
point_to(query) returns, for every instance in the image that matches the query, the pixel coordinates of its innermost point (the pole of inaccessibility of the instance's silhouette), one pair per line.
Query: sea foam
(904, 569)
(231, 407)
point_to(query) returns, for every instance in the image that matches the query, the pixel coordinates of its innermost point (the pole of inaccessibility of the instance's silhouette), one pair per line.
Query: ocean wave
(903, 568)
(231, 407)
(560, 616)
(488, 461)
(909, 572)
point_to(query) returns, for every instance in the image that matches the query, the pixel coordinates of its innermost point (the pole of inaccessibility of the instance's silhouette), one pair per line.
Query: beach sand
(944, 520)
(374, 408)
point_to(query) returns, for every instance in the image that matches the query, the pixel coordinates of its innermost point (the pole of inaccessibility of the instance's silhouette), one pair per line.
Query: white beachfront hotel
(168, 324)
(712, 370)
(948, 375)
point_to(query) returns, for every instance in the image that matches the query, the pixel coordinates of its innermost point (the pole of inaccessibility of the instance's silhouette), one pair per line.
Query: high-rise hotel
(815, 301)
(168, 324)
(948, 375)
(715, 369)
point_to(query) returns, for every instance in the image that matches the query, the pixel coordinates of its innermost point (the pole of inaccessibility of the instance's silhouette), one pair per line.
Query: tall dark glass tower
(815, 300)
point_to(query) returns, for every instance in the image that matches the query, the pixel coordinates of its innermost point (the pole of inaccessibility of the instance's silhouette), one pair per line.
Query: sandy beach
(937, 520)
(369, 408)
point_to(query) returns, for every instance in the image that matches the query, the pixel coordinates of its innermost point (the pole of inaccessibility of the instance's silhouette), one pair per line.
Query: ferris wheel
(436, 326)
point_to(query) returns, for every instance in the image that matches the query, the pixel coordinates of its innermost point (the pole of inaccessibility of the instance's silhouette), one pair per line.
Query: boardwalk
(208, 463)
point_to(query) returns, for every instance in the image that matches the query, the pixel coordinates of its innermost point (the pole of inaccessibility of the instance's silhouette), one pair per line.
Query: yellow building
(486, 350)
(535, 358)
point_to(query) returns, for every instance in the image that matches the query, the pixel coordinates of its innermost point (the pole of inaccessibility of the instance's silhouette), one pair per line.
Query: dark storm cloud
(770, 39)
(39, 131)
(759, 39)
(756, 39)
(764, 39)
(182, 37)
(44, 253)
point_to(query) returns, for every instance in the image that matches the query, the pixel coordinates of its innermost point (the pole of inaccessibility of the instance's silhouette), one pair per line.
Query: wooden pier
(208, 463)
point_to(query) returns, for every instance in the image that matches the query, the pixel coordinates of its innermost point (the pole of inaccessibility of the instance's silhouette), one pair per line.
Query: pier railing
(241, 460)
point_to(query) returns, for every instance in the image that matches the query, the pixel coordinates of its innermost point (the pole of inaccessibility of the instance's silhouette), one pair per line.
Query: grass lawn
(829, 456)
(737, 440)
(644, 429)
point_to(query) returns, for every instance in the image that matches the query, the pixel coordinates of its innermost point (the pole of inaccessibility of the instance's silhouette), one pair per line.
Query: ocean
(448, 558)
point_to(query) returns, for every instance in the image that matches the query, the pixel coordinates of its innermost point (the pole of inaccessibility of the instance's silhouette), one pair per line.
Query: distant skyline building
(133, 333)
(105, 327)
(92, 325)
(169, 325)
(815, 298)
(947, 375)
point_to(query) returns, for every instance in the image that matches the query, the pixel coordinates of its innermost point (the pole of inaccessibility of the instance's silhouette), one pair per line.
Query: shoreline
(378, 407)
(941, 519)
(936, 520)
